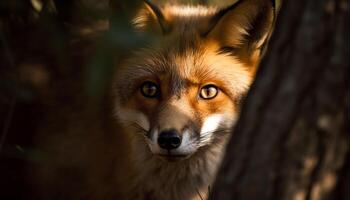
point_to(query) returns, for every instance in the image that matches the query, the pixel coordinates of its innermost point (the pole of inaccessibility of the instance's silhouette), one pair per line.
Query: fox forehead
(195, 63)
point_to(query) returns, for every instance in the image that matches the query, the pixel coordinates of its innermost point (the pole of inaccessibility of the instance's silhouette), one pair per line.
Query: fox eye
(209, 92)
(149, 89)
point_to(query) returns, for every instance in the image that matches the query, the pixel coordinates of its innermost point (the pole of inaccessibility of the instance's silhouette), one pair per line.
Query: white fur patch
(210, 125)
(153, 144)
(186, 139)
(154, 135)
(133, 116)
(187, 144)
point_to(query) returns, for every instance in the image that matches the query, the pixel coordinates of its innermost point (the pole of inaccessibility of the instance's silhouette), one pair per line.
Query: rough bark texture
(292, 139)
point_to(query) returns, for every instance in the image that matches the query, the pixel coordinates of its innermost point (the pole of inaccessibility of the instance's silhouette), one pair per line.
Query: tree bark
(292, 140)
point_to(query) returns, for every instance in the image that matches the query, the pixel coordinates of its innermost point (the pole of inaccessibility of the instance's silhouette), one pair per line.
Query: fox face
(182, 94)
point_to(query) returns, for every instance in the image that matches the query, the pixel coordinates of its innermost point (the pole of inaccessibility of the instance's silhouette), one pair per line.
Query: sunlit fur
(181, 61)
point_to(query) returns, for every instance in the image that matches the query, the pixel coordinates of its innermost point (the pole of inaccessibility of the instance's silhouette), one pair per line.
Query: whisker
(135, 125)
(206, 139)
(217, 131)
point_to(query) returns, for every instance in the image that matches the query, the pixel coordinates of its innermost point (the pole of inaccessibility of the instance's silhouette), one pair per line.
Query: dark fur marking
(259, 26)
(228, 50)
(217, 17)
(160, 17)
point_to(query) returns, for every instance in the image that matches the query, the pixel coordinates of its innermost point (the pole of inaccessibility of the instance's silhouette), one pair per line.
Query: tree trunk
(292, 140)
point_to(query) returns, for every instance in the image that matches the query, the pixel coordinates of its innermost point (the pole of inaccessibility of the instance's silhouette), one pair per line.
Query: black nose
(169, 139)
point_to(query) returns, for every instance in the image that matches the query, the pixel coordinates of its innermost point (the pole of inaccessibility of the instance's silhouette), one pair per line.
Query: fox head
(182, 92)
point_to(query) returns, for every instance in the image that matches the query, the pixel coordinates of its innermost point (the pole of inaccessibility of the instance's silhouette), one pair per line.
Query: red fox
(178, 99)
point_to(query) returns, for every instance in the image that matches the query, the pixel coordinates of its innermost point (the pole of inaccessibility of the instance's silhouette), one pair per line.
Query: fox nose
(169, 139)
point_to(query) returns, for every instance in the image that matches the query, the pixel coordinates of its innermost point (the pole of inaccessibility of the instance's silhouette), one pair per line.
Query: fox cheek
(129, 116)
(210, 125)
(216, 123)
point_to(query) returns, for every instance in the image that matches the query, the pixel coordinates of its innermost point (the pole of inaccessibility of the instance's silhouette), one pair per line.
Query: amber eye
(149, 89)
(209, 92)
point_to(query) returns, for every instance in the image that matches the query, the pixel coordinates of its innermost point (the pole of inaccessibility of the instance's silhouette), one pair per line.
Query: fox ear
(151, 18)
(243, 28)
